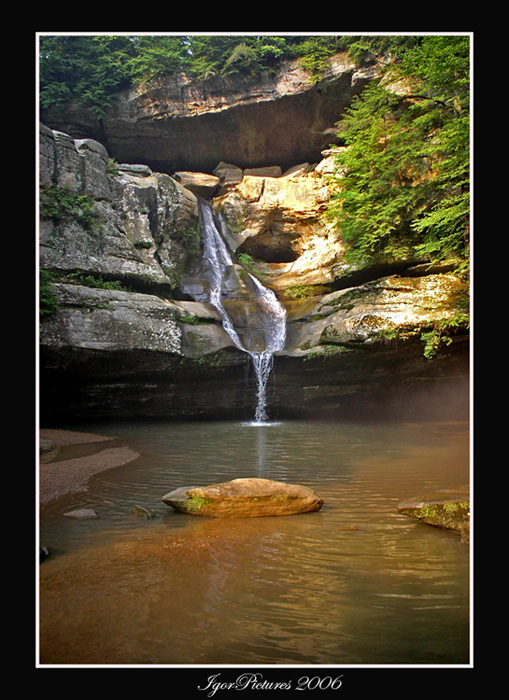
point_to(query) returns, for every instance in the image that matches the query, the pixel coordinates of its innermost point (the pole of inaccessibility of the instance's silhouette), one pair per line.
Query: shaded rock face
(244, 498)
(141, 223)
(177, 123)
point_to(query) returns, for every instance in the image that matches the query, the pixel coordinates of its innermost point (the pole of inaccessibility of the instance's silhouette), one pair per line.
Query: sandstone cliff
(131, 334)
(177, 123)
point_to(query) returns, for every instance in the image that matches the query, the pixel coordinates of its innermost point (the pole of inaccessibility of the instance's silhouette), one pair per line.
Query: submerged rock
(143, 512)
(244, 498)
(82, 514)
(48, 450)
(448, 509)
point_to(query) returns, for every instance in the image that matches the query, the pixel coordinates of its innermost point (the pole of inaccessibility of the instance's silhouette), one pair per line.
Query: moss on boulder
(244, 498)
(447, 509)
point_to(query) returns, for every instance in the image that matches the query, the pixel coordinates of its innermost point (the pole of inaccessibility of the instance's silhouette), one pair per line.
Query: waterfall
(218, 259)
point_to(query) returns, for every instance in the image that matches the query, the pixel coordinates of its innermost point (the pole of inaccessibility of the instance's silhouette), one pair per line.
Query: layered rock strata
(177, 123)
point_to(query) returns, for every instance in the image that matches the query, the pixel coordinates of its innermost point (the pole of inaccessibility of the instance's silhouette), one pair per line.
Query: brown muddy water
(353, 584)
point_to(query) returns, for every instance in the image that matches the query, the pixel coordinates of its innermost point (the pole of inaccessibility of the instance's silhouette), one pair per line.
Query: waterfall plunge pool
(353, 584)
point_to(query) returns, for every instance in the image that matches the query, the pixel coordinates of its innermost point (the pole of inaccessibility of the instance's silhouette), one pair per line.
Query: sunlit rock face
(177, 123)
(278, 223)
(386, 312)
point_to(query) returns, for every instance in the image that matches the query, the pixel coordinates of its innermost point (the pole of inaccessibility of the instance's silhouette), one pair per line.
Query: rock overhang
(177, 123)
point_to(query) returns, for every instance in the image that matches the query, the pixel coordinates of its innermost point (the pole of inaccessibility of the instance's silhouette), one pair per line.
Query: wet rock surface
(61, 473)
(448, 509)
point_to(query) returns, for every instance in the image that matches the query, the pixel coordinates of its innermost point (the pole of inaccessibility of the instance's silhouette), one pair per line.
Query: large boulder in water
(244, 498)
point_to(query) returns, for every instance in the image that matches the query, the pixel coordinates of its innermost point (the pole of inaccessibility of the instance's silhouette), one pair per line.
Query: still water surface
(353, 584)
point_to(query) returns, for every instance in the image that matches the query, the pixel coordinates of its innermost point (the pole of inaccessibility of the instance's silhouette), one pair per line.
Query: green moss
(348, 300)
(60, 203)
(450, 514)
(48, 304)
(300, 291)
(195, 503)
(325, 352)
(194, 320)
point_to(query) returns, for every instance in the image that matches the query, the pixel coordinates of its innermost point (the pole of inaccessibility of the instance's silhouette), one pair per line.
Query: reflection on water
(355, 583)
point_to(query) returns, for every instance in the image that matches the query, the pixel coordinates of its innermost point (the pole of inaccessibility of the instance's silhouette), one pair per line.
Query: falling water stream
(219, 259)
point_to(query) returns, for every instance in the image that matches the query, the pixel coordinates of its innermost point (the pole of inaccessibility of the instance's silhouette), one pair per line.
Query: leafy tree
(155, 56)
(314, 52)
(91, 69)
(405, 185)
(208, 54)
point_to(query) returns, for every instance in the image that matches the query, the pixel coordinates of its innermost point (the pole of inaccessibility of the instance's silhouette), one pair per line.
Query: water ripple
(348, 584)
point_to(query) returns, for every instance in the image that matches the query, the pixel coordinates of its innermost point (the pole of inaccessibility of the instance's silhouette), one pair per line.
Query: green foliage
(89, 280)
(441, 333)
(57, 203)
(314, 53)
(89, 68)
(300, 291)
(246, 260)
(364, 49)
(93, 69)
(389, 336)
(48, 304)
(405, 188)
(156, 56)
(112, 167)
(243, 59)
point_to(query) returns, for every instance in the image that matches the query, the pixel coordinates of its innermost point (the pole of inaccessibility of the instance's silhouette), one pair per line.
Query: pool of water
(353, 584)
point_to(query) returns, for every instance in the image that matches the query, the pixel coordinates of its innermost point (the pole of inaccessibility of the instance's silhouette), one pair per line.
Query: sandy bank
(57, 478)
